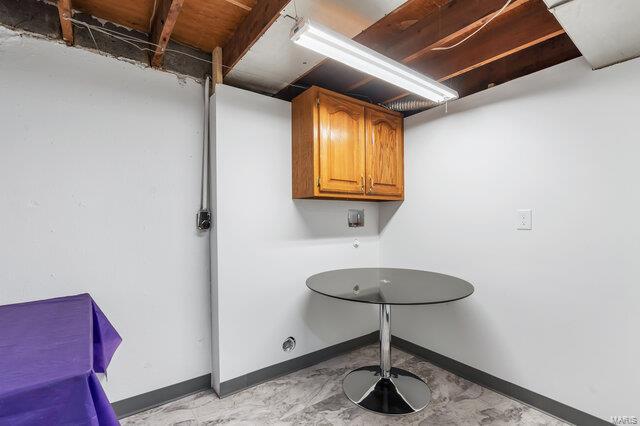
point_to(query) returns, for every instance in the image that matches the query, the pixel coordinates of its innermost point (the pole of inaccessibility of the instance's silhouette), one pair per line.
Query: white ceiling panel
(274, 61)
(605, 31)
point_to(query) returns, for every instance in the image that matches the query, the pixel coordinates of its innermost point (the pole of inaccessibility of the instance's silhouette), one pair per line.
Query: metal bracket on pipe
(203, 220)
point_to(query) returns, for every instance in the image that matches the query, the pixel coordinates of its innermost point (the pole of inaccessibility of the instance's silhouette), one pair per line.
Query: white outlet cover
(524, 220)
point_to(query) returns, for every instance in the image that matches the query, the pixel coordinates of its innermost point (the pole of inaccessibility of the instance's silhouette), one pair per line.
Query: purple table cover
(50, 351)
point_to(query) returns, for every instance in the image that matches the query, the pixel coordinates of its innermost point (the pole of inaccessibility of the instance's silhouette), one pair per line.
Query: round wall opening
(289, 344)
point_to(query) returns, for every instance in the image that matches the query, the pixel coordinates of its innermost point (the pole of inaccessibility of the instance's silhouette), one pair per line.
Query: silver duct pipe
(409, 104)
(203, 218)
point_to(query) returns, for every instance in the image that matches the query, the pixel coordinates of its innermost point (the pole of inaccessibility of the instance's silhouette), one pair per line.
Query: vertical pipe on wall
(203, 218)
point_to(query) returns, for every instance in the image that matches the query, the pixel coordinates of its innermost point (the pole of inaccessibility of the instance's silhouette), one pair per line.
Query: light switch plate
(524, 219)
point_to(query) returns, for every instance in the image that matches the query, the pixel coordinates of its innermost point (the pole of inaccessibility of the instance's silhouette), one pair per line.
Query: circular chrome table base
(382, 388)
(400, 393)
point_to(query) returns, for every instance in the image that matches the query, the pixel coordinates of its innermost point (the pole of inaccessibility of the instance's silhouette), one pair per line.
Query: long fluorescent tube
(336, 46)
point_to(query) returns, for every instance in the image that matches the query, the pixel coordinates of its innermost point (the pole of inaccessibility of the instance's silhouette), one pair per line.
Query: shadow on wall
(466, 321)
(386, 211)
(515, 89)
(324, 326)
(328, 219)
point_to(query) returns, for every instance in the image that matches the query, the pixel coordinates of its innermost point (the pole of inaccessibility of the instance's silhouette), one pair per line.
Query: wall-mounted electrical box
(355, 218)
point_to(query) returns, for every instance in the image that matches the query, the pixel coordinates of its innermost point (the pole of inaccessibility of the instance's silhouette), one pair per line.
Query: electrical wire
(498, 13)
(131, 40)
(92, 37)
(153, 14)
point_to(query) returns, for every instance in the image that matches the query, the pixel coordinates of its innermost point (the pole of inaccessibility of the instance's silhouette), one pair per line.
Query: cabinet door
(385, 154)
(341, 144)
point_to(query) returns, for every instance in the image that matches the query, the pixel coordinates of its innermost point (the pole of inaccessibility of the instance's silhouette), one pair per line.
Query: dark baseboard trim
(146, 401)
(152, 399)
(138, 403)
(268, 373)
(509, 389)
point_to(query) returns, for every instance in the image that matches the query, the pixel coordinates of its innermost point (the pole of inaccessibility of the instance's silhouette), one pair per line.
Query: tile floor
(314, 396)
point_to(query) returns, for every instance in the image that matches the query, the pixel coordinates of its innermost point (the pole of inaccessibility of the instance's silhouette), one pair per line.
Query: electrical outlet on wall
(524, 219)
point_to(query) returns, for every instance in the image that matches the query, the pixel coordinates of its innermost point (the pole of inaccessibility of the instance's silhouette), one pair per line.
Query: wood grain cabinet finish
(341, 147)
(344, 148)
(384, 154)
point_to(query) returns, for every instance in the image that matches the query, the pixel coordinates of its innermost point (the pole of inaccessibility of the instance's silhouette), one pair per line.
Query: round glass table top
(390, 286)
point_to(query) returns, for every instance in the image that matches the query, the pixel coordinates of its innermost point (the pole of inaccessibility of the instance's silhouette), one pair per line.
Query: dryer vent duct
(415, 104)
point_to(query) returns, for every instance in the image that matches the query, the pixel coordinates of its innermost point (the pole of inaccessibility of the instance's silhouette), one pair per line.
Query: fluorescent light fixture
(336, 46)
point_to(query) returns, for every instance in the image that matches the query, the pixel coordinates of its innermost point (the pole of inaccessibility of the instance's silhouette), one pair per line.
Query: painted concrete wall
(268, 244)
(100, 175)
(99, 185)
(555, 308)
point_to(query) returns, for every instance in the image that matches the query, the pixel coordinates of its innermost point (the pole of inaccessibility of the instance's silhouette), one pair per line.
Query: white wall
(100, 175)
(555, 308)
(268, 244)
(99, 185)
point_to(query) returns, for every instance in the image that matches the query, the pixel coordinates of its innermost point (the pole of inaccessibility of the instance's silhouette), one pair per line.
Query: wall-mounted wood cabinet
(345, 148)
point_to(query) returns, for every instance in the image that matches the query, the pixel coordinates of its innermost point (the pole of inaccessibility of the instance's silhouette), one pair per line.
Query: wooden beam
(239, 4)
(394, 27)
(263, 14)
(387, 31)
(520, 29)
(164, 19)
(409, 31)
(526, 26)
(535, 58)
(66, 13)
(216, 66)
(451, 23)
(546, 54)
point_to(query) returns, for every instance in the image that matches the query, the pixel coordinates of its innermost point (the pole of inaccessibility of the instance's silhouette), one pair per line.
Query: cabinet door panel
(341, 145)
(384, 153)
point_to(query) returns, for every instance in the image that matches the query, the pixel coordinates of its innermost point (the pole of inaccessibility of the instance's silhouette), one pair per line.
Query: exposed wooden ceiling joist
(523, 39)
(543, 55)
(391, 29)
(65, 11)
(527, 24)
(164, 19)
(523, 25)
(453, 21)
(131, 14)
(379, 36)
(239, 4)
(216, 66)
(262, 15)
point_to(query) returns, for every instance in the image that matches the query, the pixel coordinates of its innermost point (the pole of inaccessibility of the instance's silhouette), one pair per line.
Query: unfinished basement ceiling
(203, 24)
(258, 55)
(274, 61)
(606, 32)
(525, 38)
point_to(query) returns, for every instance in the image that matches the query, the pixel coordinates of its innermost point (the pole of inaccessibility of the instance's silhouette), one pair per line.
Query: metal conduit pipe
(203, 218)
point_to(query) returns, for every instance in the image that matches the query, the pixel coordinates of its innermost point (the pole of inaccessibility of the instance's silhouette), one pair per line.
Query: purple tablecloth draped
(50, 351)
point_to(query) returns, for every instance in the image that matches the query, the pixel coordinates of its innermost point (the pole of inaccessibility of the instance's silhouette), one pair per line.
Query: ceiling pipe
(403, 105)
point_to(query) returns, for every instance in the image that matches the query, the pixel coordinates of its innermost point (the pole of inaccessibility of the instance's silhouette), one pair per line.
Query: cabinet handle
(370, 184)
(362, 183)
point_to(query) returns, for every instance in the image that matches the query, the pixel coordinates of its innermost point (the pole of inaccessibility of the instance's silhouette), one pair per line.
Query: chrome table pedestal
(385, 389)
(382, 388)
